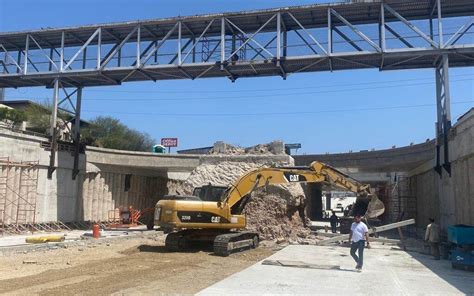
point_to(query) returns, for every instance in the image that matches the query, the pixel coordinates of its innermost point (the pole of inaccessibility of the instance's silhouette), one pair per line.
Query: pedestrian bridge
(387, 35)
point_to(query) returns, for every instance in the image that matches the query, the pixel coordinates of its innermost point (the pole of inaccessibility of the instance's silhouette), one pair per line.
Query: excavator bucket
(375, 207)
(369, 206)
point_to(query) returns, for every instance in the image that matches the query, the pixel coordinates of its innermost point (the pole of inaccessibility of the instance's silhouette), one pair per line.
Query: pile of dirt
(276, 212)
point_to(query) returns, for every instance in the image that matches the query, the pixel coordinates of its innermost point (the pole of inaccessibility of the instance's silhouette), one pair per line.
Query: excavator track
(176, 242)
(225, 244)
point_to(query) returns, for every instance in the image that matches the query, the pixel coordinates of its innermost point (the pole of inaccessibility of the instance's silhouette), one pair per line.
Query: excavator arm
(239, 193)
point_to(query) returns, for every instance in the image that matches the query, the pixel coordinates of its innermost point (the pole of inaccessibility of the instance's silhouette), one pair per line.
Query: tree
(12, 115)
(108, 132)
(39, 117)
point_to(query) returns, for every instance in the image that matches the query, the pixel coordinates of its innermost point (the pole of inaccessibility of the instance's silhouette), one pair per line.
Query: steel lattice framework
(383, 35)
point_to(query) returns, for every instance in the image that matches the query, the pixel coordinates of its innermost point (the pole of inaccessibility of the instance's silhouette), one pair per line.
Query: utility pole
(2, 94)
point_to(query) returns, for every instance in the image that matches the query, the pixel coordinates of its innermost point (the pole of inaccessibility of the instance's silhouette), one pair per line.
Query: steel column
(330, 38)
(54, 131)
(99, 47)
(61, 62)
(179, 41)
(77, 133)
(139, 45)
(440, 24)
(382, 28)
(222, 42)
(27, 45)
(330, 47)
(278, 40)
(443, 104)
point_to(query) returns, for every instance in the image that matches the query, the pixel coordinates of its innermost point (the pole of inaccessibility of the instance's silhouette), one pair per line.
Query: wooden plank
(372, 230)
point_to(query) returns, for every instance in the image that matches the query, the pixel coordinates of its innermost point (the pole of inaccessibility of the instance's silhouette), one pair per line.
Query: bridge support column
(65, 124)
(443, 106)
(54, 130)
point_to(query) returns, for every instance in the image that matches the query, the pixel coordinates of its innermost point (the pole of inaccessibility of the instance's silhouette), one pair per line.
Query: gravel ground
(138, 265)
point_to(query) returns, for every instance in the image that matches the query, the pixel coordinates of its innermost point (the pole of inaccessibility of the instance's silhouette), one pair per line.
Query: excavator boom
(239, 193)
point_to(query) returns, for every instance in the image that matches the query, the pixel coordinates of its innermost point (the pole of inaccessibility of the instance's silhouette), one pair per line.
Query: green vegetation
(12, 115)
(103, 131)
(108, 132)
(39, 119)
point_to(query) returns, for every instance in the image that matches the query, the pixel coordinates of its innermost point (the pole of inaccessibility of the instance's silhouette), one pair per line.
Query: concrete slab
(386, 272)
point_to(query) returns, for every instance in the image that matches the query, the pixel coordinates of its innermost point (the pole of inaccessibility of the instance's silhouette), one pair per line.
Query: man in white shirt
(358, 236)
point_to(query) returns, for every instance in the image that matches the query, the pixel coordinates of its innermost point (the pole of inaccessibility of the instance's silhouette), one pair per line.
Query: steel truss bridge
(383, 35)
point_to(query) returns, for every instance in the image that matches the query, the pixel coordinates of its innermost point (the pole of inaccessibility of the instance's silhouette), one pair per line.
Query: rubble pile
(273, 148)
(277, 213)
(259, 149)
(227, 149)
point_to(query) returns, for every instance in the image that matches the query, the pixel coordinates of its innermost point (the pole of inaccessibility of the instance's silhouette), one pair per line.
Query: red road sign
(169, 142)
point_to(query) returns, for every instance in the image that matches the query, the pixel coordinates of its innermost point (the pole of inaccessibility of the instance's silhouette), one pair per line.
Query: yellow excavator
(215, 213)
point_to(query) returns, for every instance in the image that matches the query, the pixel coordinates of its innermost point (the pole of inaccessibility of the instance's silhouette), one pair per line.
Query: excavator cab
(210, 192)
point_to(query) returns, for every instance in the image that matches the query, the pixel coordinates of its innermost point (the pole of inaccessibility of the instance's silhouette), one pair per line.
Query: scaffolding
(18, 192)
(404, 203)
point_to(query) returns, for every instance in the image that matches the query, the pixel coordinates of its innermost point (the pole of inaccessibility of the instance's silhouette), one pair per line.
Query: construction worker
(358, 237)
(432, 236)
(334, 220)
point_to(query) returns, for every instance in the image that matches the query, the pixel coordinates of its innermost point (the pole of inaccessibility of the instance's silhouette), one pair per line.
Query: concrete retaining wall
(99, 188)
(56, 199)
(449, 200)
(105, 191)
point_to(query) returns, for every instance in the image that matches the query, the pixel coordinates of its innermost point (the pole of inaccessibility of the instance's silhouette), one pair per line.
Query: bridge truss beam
(386, 35)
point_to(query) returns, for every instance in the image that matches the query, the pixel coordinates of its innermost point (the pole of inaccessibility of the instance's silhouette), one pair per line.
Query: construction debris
(277, 213)
(273, 148)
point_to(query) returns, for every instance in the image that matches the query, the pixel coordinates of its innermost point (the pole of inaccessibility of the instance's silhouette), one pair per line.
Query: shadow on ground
(162, 249)
(462, 280)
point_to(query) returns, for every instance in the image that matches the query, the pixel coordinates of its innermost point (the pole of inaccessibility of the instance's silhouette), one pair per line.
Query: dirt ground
(138, 265)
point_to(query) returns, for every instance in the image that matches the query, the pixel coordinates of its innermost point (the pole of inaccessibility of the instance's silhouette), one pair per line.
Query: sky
(325, 112)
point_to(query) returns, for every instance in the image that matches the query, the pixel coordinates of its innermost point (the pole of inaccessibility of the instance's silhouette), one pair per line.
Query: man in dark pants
(358, 236)
(333, 220)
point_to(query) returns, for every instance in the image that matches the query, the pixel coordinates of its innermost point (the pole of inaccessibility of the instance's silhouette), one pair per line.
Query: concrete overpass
(395, 159)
